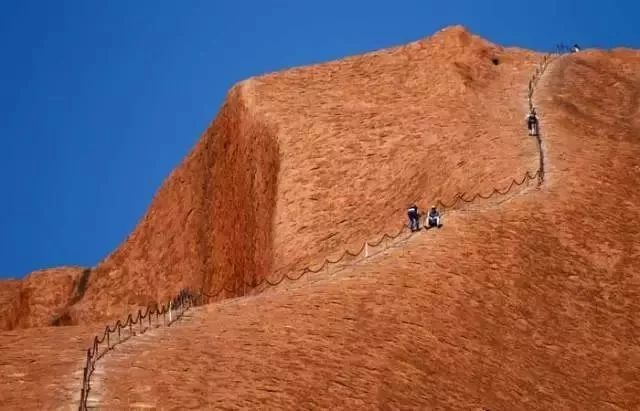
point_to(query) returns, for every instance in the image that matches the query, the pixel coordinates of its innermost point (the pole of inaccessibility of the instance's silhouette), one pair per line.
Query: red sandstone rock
(9, 303)
(40, 299)
(303, 163)
(525, 302)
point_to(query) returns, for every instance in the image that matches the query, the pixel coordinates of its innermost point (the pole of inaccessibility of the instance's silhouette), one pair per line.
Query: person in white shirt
(433, 218)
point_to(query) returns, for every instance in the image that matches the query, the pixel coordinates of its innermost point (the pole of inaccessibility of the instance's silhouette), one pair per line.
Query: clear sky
(100, 100)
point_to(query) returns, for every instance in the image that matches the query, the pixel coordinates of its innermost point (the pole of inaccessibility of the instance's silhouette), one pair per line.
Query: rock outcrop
(42, 298)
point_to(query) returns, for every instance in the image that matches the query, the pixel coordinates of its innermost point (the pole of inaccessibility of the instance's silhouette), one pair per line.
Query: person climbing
(532, 122)
(414, 218)
(433, 218)
(575, 48)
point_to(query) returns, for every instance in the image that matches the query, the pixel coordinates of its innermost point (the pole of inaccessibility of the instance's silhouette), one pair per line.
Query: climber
(433, 218)
(532, 122)
(414, 217)
(575, 48)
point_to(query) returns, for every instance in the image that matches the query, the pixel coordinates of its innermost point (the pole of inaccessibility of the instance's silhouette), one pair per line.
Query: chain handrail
(181, 303)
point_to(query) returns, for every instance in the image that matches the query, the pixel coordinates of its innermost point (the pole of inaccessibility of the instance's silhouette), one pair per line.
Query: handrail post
(83, 393)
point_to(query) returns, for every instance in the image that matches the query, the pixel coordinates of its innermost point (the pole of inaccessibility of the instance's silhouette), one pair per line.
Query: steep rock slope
(41, 368)
(531, 303)
(191, 232)
(308, 161)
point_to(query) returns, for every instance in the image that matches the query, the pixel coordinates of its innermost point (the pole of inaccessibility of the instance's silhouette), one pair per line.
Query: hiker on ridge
(433, 218)
(575, 48)
(532, 122)
(414, 218)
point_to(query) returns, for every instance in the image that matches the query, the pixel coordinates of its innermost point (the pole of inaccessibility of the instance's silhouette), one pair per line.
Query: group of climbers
(432, 219)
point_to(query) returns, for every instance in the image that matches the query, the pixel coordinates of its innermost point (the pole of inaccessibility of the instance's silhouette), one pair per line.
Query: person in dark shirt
(532, 123)
(414, 217)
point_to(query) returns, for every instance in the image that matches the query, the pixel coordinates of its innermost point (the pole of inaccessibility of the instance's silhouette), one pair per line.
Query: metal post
(83, 393)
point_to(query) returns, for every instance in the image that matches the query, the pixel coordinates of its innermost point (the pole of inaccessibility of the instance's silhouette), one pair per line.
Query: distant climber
(532, 122)
(433, 218)
(575, 48)
(414, 218)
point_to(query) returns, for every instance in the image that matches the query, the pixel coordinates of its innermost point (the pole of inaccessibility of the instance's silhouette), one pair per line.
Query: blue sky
(100, 100)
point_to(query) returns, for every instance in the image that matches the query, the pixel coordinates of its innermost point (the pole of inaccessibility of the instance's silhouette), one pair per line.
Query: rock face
(9, 303)
(209, 224)
(307, 162)
(41, 298)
